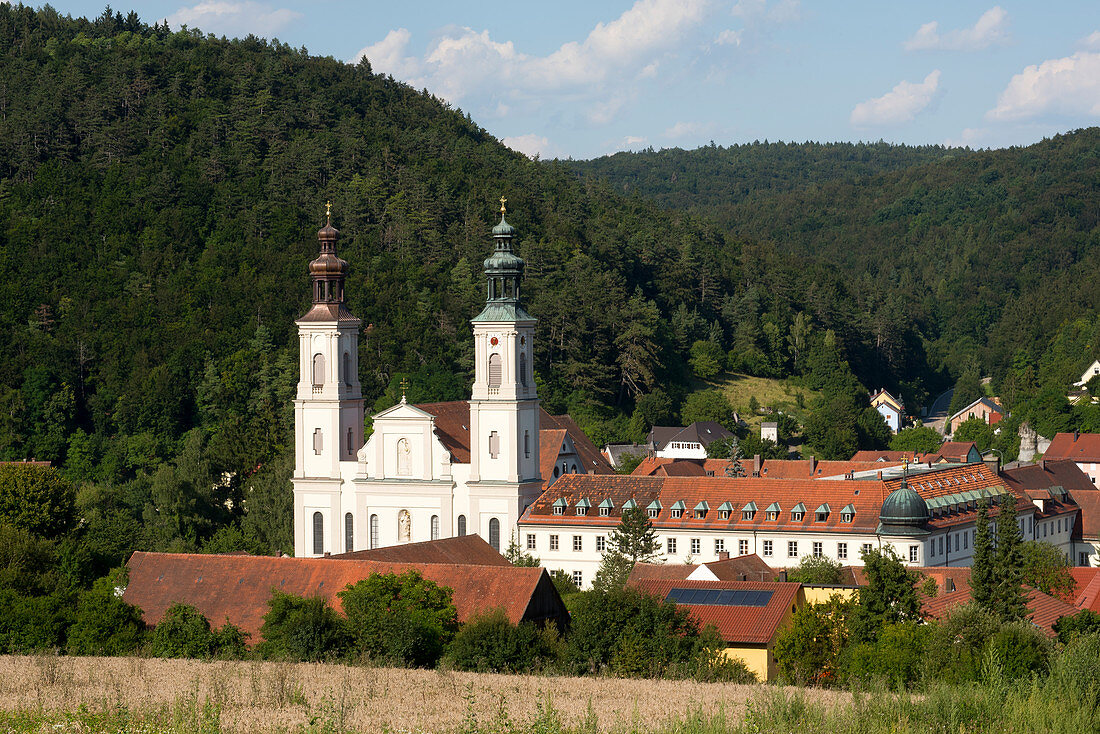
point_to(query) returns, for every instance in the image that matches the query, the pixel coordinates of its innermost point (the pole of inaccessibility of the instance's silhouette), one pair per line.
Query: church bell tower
(504, 405)
(328, 409)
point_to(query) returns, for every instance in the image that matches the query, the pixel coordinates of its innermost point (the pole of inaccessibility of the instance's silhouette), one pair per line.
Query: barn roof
(465, 549)
(237, 588)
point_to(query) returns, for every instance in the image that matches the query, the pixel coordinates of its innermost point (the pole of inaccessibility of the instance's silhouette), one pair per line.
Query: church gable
(404, 446)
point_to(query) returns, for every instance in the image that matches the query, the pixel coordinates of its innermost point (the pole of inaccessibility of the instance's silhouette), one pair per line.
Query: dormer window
(772, 513)
(701, 510)
(678, 509)
(848, 514)
(748, 512)
(605, 507)
(559, 506)
(821, 514)
(653, 509)
(798, 512)
(582, 507)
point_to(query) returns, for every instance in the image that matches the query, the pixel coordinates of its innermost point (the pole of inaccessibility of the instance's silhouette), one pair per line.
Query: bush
(297, 628)
(896, 656)
(710, 664)
(955, 645)
(31, 623)
(403, 619)
(491, 643)
(104, 623)
(808, 650)
(816, 570)
(1020, 650)
(185, 633)
(36, 499)
(1085, 622)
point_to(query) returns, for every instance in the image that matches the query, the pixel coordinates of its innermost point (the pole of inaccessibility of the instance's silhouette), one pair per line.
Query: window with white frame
(719, 545)
(559, 510)
(797, 516)
(601, 543)
(494, 444)
(792, 549)
(742, 547)
(530, 541)
(842, 551)
(817, 547)
(605, 511)
(577, 543)
(653, 513)
(695, 545)
(676, 512)
(767, 548)
(553, 542)
(914, 553)
(582, 510)
(578, 578)
(670, 546)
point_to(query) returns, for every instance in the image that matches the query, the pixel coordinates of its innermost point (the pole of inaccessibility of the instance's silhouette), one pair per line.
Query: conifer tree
(981, 570)
(1010, 600)
(633, 541)
(734, 468)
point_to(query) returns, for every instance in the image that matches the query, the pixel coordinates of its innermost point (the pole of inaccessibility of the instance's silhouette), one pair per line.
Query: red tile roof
(452, 425)
(1085, 448)
(894, 456)
(865, 496)
(745, 625)
(1088, 588)
(751, 566)
(1044, 610)
(465, 549)
(955, 480)
(809, 469)
(550, 441)
(1088, 520)
(673, 571)
(237, 588)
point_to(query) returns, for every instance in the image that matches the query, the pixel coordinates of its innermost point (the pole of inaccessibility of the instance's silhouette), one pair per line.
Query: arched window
(373, 531)
(461, 525)
(435, 527)
(347, 369)
(318, 369)
(494, 370)
(494, 534)
(318, 534)
(557, 471)
(349, 533)
(404, 457)
(523, 368)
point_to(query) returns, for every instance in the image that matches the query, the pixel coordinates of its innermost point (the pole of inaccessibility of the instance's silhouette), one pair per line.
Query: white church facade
(427, 471)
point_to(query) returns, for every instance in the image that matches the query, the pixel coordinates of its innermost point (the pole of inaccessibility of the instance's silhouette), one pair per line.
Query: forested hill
(988, 252)
(713, 177)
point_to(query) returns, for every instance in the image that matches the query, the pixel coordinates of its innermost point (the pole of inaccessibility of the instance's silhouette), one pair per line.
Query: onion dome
(504, 274)
(328, 272)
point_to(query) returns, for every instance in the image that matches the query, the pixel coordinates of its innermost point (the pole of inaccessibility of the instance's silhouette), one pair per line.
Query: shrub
(1020, 650)
(955, 645)
(185, 633)
(808, 649)
(816, 570)
(36, 499)
(105, 624)
(896, 656)
(710, 663)
(1085, 622)
(404, 619)
(298, 628)
(491, 643)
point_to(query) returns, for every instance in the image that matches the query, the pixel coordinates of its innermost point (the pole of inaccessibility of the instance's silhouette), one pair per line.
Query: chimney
(783, 575)
(756, 465)
(723, 555)
(1076, 435)
(880, 475)
(813, 464)
(327, 554)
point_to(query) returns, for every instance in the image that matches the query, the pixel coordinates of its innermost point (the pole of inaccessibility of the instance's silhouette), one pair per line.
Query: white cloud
(631, 140)
(688, 129)
(729, 38)
(465, 63)
(530, 144)
(1092, 40)
(1067, 85)
(991, 28)
(234, 18)
(900, 104)
(971, 137)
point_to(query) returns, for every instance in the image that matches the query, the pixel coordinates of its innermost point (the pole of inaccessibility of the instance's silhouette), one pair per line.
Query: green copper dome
(504, 274)
(503, 228)
(904, 508)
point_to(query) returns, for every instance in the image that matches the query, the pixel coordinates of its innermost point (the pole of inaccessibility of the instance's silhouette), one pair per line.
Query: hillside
(986, 253)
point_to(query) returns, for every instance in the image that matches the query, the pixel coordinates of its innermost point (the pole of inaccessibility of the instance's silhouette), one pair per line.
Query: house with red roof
(748, 615)
(987, 410)
(1081, 448)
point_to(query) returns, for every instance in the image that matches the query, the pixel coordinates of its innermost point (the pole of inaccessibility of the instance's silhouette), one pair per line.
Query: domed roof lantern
(504, 271)
(327, 272)
(904, 512)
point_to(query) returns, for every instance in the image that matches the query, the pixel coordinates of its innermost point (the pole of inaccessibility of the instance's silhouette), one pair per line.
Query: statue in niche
(404, 527)
(404, 457)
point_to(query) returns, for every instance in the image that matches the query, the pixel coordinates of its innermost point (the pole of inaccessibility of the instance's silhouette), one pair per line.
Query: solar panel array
(721, 597)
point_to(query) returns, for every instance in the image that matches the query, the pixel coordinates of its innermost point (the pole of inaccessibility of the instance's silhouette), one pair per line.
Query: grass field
(60, 694)
(775, 394)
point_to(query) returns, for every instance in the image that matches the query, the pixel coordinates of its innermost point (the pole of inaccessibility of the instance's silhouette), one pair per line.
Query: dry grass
(775, 394)
(257, 696)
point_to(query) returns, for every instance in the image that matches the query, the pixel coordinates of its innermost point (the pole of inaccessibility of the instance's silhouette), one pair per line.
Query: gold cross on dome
(503, 201)
(328, 212)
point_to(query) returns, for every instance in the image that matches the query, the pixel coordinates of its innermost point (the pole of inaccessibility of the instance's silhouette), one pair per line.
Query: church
(428, 471)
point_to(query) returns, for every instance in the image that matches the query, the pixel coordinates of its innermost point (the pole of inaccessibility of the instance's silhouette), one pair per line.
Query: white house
(1092, 371)
(427, 471)
(890, 408)
(675, 442)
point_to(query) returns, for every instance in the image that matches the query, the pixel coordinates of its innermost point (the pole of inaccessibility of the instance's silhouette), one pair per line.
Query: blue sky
(583, 79)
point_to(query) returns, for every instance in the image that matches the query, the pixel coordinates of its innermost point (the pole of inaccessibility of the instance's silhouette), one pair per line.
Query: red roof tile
(1088, 588)
(1044, 610)
(465, 549)
(751, 566)
(884, 456)
(550, 441)
(1085, 448)
(237, 588)
(667, 571)
(592, 459)
(751, 625)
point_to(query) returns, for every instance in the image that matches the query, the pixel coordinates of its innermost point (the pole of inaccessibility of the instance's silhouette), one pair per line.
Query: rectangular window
(742, 547)
(652, 513)
(605, 511)
(578, 578)
(553, 542)
(941, 545)
(677, 513)
(767, 548)
(1082, 558)
(842, 551)
(797, 516)
(966, 539)
(719, 545)
(530, 541)
(494, 444)
(773, 515)
(914, 552)
(695, 546)
(865, 548)
(559, 510)
(601, 542)
(725, 515)
(582, 510)
(792, 549)
(670, 546)
(576, 542)
(817, 549)
(1045, 529)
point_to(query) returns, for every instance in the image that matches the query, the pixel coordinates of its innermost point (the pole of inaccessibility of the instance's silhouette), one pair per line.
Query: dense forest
(159, 195)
